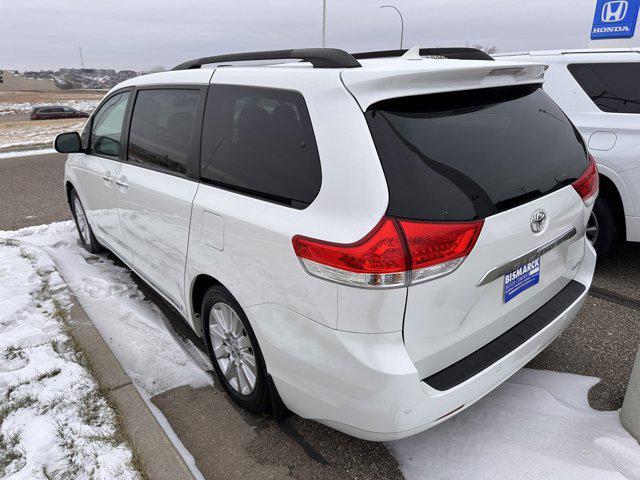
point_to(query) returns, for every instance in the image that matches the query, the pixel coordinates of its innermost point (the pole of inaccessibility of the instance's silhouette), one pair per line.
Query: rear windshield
(469, 155)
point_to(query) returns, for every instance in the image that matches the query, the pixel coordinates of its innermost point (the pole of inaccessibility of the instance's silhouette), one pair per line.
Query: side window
(162, 129)
(613, 87)
(260, 141)
(107, 126)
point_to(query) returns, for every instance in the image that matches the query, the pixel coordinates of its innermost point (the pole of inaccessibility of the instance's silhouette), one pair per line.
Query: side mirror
(68, 143)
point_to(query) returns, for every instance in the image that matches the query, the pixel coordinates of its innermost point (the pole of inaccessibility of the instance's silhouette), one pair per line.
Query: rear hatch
(504, 156)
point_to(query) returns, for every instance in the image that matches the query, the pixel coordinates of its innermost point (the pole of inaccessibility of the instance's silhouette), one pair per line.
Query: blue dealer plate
(520, 279)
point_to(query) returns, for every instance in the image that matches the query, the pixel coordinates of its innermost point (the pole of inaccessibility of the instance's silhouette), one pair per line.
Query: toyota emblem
(538, 221)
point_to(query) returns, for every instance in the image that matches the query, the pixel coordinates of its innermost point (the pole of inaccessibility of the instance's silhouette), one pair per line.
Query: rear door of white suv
(501, 161)
(156, 184)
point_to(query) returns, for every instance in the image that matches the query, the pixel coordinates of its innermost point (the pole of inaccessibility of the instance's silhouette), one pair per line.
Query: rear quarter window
(259, 141)
(613, 87)
(468, 155)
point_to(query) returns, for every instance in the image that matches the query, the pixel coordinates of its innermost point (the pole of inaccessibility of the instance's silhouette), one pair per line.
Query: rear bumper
(366, 385)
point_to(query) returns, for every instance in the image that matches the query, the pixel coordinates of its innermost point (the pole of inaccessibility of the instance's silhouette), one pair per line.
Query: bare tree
(489, 50)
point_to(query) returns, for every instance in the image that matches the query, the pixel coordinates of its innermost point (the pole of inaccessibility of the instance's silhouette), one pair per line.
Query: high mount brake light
(395, 253)
(588, 184)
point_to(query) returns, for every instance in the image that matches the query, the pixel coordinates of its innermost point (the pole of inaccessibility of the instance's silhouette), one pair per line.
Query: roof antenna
(412, 54)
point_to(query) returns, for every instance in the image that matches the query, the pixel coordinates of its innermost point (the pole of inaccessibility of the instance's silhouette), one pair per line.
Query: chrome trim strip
(509, 267)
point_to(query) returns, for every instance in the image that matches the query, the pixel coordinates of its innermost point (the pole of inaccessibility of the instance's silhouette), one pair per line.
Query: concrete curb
(158, 455)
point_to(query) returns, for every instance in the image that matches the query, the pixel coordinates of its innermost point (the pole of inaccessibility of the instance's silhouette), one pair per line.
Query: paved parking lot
(601, 342)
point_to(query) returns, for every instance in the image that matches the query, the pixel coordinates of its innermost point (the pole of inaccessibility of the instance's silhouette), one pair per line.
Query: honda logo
(615, 11)
(538, 221)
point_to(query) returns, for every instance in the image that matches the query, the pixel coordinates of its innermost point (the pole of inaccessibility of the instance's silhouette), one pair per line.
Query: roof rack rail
(456, 53)
(318, 57)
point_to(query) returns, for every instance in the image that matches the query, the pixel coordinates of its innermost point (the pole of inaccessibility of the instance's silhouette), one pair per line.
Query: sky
(141, 34)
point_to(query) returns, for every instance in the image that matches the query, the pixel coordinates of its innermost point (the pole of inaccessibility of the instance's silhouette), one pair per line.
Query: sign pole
(324, 22)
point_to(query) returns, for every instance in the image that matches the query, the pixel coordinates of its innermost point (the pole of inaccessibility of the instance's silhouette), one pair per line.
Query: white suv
(374, 243)
(599, 89)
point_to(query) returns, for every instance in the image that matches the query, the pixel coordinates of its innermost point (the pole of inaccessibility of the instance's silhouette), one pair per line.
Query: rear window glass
(613, 87)
(260, 141)
(469, 155)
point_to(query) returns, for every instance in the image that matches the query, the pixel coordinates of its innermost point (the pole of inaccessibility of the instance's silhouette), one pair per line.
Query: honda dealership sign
(615, 19)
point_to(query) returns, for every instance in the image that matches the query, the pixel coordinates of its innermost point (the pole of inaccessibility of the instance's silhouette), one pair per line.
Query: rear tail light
(395, 253)
(588, 184)
(437, 249)
(378, 260)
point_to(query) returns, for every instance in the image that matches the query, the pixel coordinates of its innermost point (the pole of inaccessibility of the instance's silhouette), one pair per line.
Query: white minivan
(373, 241)
(599, 89)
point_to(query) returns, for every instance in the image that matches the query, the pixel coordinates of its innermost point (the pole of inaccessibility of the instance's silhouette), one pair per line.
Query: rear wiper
(612, 96)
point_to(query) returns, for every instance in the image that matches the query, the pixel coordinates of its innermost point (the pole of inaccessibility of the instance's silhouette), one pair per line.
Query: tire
(233, 348)
(602, 230)
(87, 238)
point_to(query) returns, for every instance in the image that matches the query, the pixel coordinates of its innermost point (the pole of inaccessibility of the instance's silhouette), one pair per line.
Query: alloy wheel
(81, 218)
(592, 228)
(232, 348)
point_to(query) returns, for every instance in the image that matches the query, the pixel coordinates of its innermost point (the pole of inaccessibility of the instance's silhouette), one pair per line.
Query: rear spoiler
(373, 84)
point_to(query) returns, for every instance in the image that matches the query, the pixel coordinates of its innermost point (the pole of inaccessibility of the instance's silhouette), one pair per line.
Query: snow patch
(135, 328)
(26, 153)
(54, 422)
(538, 425)
(32, 133)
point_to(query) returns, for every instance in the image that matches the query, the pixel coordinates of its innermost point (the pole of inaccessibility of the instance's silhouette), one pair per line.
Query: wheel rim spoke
(250, 374)
(243, 381)
(244, 342)
(220, 321)
(220, 351)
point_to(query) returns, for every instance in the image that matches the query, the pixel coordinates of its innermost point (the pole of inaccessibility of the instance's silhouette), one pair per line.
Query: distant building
(11, 80)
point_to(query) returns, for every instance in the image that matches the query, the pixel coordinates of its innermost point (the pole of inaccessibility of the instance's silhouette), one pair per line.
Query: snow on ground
(54, 422)
(21, 108)
(538, 425)
(135, 329)
(26, 153)
(28, 133)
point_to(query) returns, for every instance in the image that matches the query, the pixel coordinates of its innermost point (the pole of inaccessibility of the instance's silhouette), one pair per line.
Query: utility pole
(324, 22)
(401, 23)
(81, 59)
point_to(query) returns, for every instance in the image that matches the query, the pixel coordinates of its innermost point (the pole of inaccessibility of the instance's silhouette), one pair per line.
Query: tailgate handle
(509, 267)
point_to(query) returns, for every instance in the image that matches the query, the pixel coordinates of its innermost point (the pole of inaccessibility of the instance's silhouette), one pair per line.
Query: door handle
(108, 179)
(121, 184)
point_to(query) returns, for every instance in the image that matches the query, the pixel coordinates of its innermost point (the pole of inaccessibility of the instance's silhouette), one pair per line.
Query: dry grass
(50, 97)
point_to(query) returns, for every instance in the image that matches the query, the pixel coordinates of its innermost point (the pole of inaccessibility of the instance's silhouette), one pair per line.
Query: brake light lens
(437, 249)
(378, 260)
(395, 253)
(588, 184)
